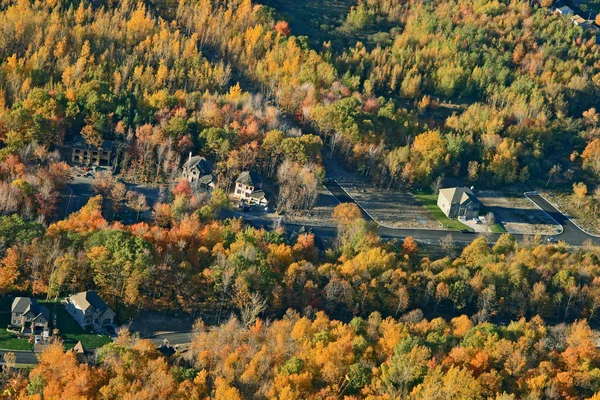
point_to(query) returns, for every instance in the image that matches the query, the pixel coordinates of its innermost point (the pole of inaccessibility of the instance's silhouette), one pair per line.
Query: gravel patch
(517, 213)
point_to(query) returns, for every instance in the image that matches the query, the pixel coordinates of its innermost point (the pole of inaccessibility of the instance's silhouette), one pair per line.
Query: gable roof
(23, 305)
(199, 162)
(249, 178)
(78, 348)
(458, 195)
(85, 300)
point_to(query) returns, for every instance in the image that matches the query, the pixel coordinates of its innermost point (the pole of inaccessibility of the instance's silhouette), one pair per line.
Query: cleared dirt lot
(391, 208)
(518, 214)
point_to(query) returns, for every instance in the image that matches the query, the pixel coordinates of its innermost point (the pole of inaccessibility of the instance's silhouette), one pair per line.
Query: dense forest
(492, 92)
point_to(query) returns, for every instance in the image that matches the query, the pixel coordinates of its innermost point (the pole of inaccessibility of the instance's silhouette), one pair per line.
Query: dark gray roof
(249, 178)
(23, 305)
(90, 298)
(79, 143)
(204, 165)
(43, 311)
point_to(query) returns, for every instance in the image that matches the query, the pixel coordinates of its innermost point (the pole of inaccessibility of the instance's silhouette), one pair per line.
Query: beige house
(458, 202)
(28, 315)
(89, 310)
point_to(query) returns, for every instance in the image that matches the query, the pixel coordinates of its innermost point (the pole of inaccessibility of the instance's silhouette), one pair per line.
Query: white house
(248, 186)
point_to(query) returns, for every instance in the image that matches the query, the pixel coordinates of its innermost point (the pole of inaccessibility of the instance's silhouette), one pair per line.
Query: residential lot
(392, 208)
(517, 214)
(69, 330)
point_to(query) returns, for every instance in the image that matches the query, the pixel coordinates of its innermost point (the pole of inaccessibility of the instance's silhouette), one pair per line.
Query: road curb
(569, 218)
(562, 228)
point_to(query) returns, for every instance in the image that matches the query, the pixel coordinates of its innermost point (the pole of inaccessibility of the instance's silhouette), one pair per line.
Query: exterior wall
(93, 157)
(242, 191)
(443, 204)
(78, 314)
(40, 322)
(190, 175)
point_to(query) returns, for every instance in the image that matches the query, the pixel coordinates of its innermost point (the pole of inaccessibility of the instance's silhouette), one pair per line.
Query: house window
(77, 151)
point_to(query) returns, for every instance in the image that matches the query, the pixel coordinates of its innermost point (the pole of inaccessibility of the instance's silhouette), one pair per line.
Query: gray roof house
(27, 314)
(197, 171)
(89, 310)
(458, 202)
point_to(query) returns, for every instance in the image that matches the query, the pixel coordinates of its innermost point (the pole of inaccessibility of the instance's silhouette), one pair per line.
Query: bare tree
(447, 245)
(490, 220)
(253, 308)
(437, 185)
(137, 202)
(298, 186)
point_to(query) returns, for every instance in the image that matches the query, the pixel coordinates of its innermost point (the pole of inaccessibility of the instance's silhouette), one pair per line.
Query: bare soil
(393, 208)
(517, 214)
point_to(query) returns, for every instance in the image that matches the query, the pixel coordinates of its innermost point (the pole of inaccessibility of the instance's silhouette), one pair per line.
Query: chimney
(190, 159)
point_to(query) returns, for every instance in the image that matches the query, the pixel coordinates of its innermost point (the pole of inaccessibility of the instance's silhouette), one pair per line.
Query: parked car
(552, 240)
(465, 231)
(38, 339)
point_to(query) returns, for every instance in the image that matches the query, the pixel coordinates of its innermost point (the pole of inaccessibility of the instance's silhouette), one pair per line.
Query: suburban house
(248, 186)
(84, 154)
(89, 310)
(197, 171)
(27, 314)
(458, 202)
(564, 10)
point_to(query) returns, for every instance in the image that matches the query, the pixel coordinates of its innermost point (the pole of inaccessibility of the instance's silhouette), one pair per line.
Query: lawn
(71, 332)
(429, 200)
(497, 228)
(8, 340)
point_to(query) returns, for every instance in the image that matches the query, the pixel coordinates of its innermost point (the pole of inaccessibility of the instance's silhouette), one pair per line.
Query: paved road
(571, 233)
(174, 338)
(23, 357)
(81, 190)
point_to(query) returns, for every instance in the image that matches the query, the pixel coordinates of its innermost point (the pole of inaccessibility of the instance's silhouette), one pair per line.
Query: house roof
(79, 348)
(458, 195)
(79, 143)
(205, 179)
(199, 162)
(258, 194)
(565, 10)
(85, 300)
(24, 305)
(249, 178)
